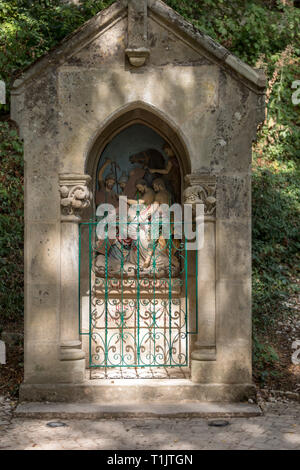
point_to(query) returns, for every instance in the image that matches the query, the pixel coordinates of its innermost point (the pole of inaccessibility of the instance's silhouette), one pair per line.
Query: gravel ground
(278, 428)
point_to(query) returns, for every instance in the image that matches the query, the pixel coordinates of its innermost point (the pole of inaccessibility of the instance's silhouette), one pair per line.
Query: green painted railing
(138, 295)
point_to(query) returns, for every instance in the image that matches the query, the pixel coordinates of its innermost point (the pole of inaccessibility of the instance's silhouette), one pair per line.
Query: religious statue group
(152, 182)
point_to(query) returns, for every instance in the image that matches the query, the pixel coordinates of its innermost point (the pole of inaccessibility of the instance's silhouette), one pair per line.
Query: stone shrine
(137, 102)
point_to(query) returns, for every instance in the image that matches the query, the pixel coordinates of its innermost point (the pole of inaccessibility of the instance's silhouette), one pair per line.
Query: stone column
(75, 197)
(202, 190)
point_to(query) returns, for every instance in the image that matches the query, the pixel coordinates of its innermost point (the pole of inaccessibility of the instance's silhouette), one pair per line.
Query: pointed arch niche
(130, 132)
(143, 115)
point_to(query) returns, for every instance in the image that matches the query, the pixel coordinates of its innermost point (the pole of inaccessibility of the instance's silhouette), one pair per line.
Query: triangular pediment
(165, 46)
(105, 39)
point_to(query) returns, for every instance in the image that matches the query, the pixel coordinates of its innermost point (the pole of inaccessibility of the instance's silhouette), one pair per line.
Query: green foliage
(11, 223)
(248, 28)
(264, 33)
(276, 243)
(276, 205)
(265, 357)
(30, 28)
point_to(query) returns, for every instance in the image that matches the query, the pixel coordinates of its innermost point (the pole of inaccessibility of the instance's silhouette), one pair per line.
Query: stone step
(146, 410)
(135, 391)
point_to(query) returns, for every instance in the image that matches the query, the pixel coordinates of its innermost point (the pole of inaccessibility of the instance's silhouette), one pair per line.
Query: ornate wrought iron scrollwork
(138, 319)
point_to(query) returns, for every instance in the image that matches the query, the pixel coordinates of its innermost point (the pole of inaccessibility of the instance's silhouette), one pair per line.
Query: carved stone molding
(201, 189)
(75, 195)
(137, 50)
(71, 351)
(137, 57)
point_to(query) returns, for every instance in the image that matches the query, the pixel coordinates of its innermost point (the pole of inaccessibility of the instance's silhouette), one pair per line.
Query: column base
(204, 354)
(59, 372)
(71, 351)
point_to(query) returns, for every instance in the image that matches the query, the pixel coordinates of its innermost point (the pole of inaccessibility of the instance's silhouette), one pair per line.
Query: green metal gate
(137, 297)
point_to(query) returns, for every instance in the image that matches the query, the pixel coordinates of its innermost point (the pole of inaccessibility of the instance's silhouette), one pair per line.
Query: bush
(11, 223)
(30, 28)
(248, 28)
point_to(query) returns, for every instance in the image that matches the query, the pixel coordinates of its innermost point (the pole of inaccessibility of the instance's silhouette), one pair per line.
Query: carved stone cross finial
(137, 50)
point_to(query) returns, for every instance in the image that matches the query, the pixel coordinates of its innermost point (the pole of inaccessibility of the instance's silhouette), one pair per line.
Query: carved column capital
(201, 189)
(75, 196)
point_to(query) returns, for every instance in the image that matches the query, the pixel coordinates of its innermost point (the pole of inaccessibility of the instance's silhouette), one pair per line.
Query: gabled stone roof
(106, 18)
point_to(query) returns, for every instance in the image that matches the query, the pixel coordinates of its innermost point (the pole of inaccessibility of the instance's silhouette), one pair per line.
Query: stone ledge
(136, 391)
(92, 411)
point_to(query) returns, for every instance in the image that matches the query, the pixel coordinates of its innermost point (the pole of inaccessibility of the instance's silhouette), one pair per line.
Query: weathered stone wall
(62, 113)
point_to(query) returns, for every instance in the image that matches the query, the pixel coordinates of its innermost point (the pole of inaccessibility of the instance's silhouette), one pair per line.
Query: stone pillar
(75, 197)
(202, 190)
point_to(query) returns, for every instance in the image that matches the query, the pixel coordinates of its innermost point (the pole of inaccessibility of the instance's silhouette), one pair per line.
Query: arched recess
(137, 113)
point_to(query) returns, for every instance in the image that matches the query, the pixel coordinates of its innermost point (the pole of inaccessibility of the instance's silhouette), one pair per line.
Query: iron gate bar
(90, 298)
(179, 330)
(79, 285)
(138, 288)
(170, 296)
